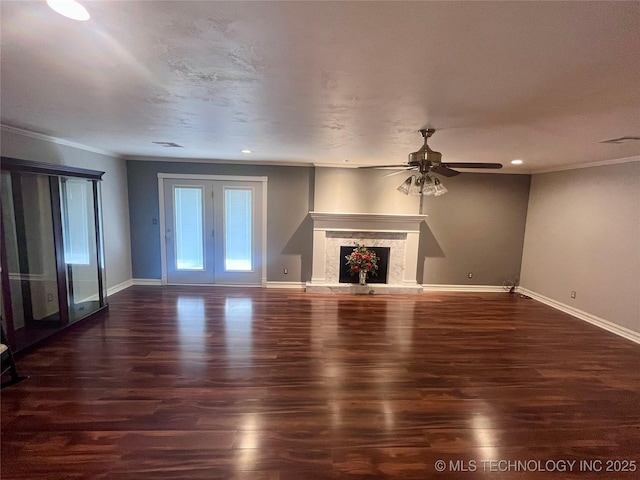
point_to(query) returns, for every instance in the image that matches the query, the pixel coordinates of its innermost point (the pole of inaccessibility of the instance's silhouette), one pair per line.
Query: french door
(213, 231)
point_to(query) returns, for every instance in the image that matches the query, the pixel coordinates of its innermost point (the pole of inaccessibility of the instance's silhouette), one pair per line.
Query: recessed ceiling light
(70, 9)
(246, 150)
(516, 162)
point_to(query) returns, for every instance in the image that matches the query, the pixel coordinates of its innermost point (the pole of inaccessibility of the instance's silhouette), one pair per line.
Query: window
(237, 229)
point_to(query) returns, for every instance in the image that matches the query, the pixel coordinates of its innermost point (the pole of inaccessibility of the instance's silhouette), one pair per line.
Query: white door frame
(231, 178)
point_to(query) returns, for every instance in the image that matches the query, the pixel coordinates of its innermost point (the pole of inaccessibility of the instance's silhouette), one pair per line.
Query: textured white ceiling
(324, 82)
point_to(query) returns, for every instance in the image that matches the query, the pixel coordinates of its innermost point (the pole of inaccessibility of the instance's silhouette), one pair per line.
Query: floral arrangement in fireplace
(362, 260)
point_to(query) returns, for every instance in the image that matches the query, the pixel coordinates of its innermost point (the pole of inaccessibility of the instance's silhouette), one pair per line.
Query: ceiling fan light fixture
(422, 185)
(416, 186)
(426, 161)
(428, 186)
(406, 186)
(439, 188)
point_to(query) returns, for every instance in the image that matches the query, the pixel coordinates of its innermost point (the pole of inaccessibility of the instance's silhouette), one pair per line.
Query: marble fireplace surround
(401, 233)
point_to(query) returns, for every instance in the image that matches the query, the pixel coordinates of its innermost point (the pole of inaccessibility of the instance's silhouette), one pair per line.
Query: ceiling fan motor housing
(426, 161)
(417, 158)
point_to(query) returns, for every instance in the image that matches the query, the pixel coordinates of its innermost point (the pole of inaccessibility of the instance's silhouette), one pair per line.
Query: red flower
(355, 268)
(368, 266)
(367, 257)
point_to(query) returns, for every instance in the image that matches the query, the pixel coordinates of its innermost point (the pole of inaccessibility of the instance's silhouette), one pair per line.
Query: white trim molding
(370, 222)
(582, 315)
(56, 140)
(290, 285)
(147, 281)
(434, 287)
(197, 176)
(110, 291)
(119, 287)
(219, 161)
(194, 176)
(574, 166)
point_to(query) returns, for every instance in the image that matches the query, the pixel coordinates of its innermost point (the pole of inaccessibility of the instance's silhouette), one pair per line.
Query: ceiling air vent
(168, 144)
(621, 140)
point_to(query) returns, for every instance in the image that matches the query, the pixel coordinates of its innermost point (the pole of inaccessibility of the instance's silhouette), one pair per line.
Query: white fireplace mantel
(401, 233)
(370, 222)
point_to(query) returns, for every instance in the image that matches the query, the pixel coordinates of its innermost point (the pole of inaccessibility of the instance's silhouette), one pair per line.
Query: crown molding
(58, 141)
(601, 163)
(219, 161)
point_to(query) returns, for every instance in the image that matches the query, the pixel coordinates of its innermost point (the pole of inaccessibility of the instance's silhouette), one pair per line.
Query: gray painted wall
(583, 234)
(289, 230)
(351, 190)
(115, 204)
(477, 227)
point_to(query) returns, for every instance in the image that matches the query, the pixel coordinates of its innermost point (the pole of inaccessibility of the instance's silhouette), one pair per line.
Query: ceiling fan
(426, 161)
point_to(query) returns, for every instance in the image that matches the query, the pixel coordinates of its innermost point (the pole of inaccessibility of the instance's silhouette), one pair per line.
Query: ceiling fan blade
(494, 166)
(401, 165)
(399, 171)
(444, 171)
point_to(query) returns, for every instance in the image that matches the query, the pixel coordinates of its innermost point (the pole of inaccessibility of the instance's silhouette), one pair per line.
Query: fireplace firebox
(383, 265)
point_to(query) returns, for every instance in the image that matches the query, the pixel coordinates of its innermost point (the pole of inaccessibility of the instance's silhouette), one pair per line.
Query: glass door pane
(238, 214)
(28, 234)
(188, 228)
(239, 231)
(80, 247)
(52, 257)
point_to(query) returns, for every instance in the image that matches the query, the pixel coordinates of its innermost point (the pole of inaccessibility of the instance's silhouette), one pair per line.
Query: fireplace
(399, 234)
(383, 265)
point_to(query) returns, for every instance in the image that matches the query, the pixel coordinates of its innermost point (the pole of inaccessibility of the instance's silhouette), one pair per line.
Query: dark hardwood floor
(209, 383)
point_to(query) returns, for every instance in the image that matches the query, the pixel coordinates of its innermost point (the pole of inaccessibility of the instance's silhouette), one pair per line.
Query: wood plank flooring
(213, 383)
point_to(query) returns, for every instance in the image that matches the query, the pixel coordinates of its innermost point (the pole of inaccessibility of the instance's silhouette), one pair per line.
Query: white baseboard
(464, 288)
(582, 315)
(110, 291)
(156, 282)
(119, 287)
(295, 285)
(147, 281)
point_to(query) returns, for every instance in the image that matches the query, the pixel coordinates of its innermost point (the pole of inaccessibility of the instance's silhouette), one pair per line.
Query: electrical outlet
(573, 294)
(49, 297)
(286, 270)
(470, 275)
